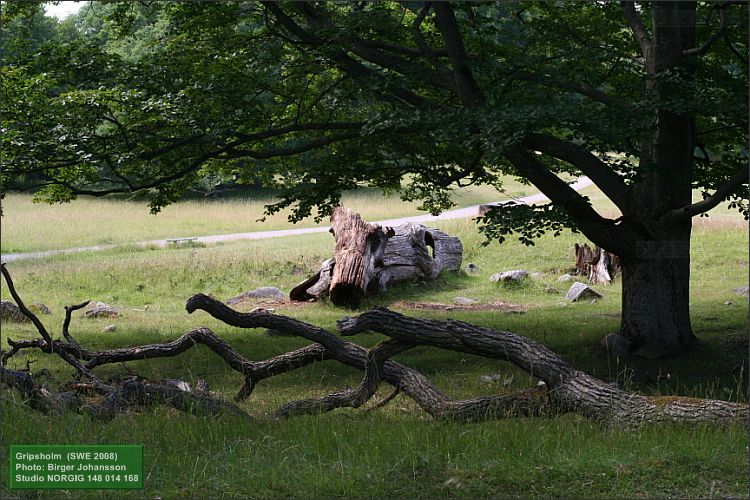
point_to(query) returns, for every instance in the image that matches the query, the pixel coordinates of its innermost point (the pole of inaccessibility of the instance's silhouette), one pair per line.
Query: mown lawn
(396, 450)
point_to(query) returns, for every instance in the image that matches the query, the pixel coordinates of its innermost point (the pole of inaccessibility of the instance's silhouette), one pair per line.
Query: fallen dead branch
(564, 389)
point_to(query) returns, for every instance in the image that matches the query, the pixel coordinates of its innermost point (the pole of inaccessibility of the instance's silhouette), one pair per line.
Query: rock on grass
(580, 291)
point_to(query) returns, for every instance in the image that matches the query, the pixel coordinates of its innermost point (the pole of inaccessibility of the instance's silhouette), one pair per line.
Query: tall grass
(28, 226)
(395, 451)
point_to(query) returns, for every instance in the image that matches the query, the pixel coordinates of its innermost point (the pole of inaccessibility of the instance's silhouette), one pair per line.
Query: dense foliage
(648, 99)
(324, 97)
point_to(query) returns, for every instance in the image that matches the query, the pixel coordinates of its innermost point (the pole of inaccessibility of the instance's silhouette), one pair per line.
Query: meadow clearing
(395, 450)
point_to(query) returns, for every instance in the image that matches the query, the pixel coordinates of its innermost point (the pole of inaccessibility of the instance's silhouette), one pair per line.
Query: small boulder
(580, 291)
(743, 290)
(100, 310)
(10, 312)
(39, 308)
(265, 292)
(109, 328)
(565, 277)
(550, 289)
(616, 345)
(472, 268)
(514, 276)
(464, 301)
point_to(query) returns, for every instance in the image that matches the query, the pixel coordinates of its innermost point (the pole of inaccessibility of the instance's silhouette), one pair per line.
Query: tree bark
(656, 270)
(598, 265)
(655, 300)
(568, 390)
(564, 389)
(359, 247)
(369, 259)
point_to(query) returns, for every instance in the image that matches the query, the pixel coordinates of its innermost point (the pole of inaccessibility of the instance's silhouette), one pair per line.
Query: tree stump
(598, 265)
(368, 258)
(359, 248)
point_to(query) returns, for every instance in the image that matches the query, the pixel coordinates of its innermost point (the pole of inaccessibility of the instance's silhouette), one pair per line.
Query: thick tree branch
(353, 398)
(408, 381)
(578, 88)
(720, 195)
(636, 26)
(25, 310)
(467, 87)
(568, 389)
(604, 177)
(699, 51)
(601, 231)
(356, 70)
(401, 49)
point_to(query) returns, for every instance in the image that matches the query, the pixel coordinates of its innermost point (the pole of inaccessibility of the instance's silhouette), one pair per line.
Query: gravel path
(461, 213)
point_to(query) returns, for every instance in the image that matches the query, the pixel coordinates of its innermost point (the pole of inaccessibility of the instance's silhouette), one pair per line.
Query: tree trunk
(416, 251)
(368, 259)
(599, 265)
(655, 299)
(656, 273)
(359, 246)
(563, 389)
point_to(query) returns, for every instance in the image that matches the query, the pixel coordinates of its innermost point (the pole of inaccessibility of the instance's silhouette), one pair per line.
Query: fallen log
(563, 388)
(368, 259)
(569, 390)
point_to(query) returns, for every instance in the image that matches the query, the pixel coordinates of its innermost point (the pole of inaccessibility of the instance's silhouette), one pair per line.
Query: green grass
(395, 451)
(87, 221)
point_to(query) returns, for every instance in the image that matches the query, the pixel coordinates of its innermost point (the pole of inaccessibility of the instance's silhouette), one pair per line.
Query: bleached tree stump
(598, 265)
(368, 258)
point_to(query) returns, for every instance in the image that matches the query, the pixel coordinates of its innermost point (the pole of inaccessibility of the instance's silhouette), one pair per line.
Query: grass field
(29, 226)
(397, 450)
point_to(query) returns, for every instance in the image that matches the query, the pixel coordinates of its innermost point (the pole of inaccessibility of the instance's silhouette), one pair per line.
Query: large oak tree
(648, 99)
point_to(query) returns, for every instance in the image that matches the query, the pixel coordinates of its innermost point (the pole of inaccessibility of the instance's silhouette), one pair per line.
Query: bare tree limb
(66, 324)
(699, 51)
(568, 389)
(637, 27)
(25, 310)
(601, 231)
(349, 397)
(719, 195)
(604, 177)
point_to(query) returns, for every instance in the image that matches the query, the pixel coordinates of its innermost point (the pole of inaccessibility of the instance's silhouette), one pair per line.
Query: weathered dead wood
(368, 258)
(253, 371)
(598, 265)
(564, 390)
(317, 285)
(416, 251)
(568, 389)
(359, 247)
(138, 393)
(353, 398)
(35, 396)
(25, 310)
(407, 380)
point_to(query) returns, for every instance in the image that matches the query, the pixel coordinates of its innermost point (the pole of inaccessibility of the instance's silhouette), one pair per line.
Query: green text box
(42, 466)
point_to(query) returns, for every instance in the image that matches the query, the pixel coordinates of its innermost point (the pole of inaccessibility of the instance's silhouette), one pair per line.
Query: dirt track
(461, 213)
